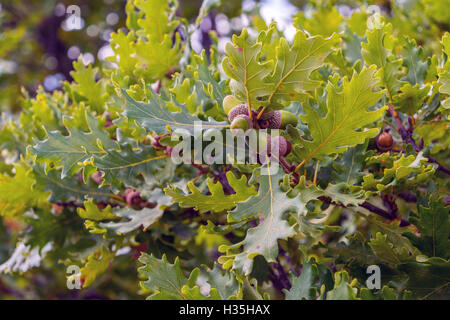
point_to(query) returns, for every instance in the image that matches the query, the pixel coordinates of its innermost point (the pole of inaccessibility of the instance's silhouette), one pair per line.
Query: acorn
(241, 121)
(240, 109)
(284, 146)
(97, 177)
(384, 141)
(229, 102)
(267, 115)
(288, 118)
(263, 121)
(264, 124)
(133, 198)
(275, 120)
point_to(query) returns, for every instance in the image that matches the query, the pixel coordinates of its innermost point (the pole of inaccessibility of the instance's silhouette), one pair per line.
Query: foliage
(87, 177)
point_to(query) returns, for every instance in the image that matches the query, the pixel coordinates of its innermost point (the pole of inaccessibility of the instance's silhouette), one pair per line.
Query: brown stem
(406, 135)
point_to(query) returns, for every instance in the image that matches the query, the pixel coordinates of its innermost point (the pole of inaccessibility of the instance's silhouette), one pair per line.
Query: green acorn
(288, 118)
(242, 122)
(229, 102)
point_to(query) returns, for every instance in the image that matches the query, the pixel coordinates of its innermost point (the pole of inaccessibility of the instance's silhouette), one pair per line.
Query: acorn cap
(240, 109)
(133, 198)
(275, 120)
(288, 118)
(267, 115)
(229, 102)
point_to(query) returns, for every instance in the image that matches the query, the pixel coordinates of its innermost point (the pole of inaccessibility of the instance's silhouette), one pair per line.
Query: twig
(280, 279)
(383, 213)
(288, 260)
(406, 135)
(435, 291)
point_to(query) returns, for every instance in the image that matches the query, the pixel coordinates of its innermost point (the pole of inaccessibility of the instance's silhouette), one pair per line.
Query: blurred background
(38, 45)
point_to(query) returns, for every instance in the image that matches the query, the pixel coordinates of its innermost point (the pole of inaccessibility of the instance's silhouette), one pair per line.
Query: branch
(372, 208)
(383, 213)
(406, 135)
(279, 279)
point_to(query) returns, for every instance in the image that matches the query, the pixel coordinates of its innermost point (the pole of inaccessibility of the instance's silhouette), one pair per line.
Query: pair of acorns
(238, 115)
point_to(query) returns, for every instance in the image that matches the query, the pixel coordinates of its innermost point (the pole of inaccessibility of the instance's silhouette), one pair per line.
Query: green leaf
(124, 48)
(444, 73)
(124, 165)
(68, 188)
(134, 219)
(92, 212)
(155, 18)
(193, 293)
(434, 229)
(156, 117)
(325, 21)
(417, 68)
(388, 252)
(96, 264)
(268, 205)
(205, 73)
(75, 148)
(19, 193)
(302, 286)
(224, 282)
(394, 233)
(166, 280)
(407, 171)
(156, 57)
(87, 86)
(246, 72)
(147, 52)
(411, 98)
(377, 51)
(347, 112)
(348, 168)
(343, 289)
(217, 201)
(294, 65)
(345, 194)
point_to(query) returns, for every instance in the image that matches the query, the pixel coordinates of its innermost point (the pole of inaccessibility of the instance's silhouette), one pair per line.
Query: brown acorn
(384, 141)
(133, 198)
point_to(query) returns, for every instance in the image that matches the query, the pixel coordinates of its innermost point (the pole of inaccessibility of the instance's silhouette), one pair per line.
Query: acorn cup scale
(277, 119)
(240, 109)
